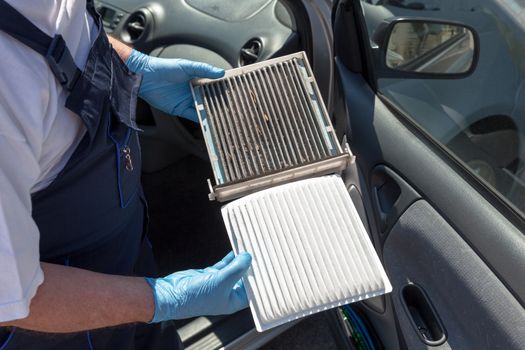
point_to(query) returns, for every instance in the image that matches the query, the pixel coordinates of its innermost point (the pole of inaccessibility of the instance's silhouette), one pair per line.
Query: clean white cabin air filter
(310, 250)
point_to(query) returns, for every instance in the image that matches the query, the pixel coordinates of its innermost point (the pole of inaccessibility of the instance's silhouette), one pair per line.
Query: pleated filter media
(265, 124)
(310, 250)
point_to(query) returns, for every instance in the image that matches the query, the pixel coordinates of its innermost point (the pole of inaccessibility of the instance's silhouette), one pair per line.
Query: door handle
(391, 196)
(422, 315)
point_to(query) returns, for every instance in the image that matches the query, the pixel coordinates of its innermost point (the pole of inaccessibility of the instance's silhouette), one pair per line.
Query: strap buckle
(61, 63)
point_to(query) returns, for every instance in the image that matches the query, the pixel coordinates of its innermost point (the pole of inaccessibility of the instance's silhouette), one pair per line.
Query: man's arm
(122, 49)
(72, 299)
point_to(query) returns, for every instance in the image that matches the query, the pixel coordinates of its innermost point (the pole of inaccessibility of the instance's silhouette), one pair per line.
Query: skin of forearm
(122, 49)
(72, 300)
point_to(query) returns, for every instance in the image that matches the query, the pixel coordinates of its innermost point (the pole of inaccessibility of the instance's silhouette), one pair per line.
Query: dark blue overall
(93, 214)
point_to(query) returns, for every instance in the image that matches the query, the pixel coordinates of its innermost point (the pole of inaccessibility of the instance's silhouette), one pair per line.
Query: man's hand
(216, 290)
(165, 82)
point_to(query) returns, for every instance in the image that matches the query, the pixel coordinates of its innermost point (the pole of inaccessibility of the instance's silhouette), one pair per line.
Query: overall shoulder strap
(53, 49)
(90, 6)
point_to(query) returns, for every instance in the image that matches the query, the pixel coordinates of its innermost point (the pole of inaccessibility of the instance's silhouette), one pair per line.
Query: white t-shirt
(37, 137)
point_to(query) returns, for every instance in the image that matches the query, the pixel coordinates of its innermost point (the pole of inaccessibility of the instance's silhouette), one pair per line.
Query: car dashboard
(226, 33)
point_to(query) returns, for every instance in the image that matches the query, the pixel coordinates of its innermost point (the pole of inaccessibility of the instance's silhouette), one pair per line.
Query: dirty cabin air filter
(266, 124)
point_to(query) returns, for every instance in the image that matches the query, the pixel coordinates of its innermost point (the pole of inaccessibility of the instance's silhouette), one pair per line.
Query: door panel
(450, 236)
(379, 137)
(476, 308)
(391, 196)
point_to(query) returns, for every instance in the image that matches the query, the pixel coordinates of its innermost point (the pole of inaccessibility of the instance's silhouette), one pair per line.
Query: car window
(479, 118)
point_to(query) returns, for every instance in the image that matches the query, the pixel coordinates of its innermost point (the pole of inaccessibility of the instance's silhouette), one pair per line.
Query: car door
(438, 168)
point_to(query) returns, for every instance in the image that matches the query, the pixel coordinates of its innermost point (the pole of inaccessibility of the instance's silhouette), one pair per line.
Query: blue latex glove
(216, 290)
(165, 82)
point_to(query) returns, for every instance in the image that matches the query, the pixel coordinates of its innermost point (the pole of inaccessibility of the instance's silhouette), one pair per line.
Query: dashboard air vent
(135, 26)
(250, 52)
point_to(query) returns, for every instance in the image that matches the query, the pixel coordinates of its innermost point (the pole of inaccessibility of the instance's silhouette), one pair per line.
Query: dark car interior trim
(408, 153)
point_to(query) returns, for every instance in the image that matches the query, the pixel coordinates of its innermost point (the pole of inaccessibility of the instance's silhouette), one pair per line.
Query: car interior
(452, 247)
(185, 228)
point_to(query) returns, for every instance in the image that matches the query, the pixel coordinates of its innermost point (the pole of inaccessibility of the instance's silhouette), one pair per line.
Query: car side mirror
(426, 48)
